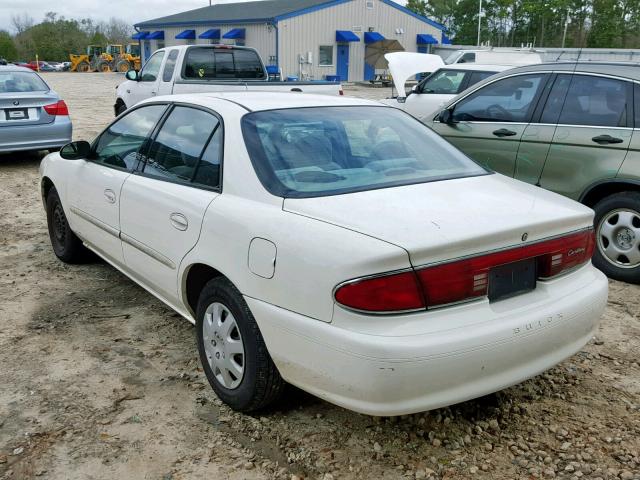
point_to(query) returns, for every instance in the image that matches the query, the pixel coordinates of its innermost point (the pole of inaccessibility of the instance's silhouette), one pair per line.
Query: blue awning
(140, 35)
(446, 40)
(373, 37)
(157, 35)
(235, 33)
(426, 39)
(213, 34)
(187, 35)
(346, 36)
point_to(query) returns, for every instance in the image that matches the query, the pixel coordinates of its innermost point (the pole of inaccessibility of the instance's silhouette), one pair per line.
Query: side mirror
(446, 116)
(132, 75)
(75, 150)
(401, 99)
(414, 89)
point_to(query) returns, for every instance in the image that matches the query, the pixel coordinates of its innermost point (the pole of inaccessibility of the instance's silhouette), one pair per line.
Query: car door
(95, 193)
(163, 204)
(593, 134)
(148, 79)
(488, 123)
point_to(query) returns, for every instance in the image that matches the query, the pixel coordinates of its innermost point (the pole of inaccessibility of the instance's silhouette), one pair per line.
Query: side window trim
(143, 147)
(139, 170)
(464, 84)
(171, 59)
(544, 98)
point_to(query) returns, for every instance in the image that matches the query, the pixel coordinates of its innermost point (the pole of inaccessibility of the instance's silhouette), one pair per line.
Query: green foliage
(541, 23)
(8, 49)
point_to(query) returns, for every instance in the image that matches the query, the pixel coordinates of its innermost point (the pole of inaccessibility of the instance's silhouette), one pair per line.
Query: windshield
(444, 82)
(14, 82)
(311, 152)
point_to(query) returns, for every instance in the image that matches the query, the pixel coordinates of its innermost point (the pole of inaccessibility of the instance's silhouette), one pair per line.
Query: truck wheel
(123, 66)
(617, 224)
(66, 245)
(83, 67)
(104, 67)
(232, 351)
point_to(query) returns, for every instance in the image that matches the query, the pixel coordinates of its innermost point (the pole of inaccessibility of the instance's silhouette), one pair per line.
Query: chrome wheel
(619, 238)
(223, 345)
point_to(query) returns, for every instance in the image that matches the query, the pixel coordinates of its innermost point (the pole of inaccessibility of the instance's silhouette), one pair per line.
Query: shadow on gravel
(21, 159)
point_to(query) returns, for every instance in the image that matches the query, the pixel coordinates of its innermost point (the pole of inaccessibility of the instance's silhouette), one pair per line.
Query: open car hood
(404, 65)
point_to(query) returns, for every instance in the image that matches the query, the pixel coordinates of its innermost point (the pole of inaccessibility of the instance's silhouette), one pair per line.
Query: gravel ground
(100, 380)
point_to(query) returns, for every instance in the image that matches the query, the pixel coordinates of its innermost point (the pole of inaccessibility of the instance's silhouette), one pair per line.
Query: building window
(370, 5)
(325, 59)
(160, 44)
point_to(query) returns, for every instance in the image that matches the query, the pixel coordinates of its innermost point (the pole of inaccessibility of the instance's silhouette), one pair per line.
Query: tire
(66, 245)
(259, 384)
(123, 66)
(83, 67)
(120, 108)
(617, 226)
(103, 67)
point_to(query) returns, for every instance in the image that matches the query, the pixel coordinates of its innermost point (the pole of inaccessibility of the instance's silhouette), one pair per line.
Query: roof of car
(14, 68)
(257, 101)
(629, 70)
(480, 67)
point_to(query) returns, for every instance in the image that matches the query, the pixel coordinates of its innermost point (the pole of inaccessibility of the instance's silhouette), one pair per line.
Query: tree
(22, 22)
(8, 49)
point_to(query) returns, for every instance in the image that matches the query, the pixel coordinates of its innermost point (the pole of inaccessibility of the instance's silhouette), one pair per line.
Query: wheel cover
(123, 68)
(59, 225)
(223, 345)
(619, 238)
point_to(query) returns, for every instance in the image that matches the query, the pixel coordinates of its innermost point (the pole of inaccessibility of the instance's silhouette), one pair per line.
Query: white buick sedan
(332, 243)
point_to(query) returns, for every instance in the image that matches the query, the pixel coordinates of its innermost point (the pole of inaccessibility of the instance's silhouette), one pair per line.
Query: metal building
(308, 39)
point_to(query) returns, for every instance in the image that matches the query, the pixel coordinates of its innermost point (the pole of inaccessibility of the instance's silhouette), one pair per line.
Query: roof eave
(203, 22)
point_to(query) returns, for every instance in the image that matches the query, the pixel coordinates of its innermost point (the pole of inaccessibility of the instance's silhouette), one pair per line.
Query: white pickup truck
(206, 68)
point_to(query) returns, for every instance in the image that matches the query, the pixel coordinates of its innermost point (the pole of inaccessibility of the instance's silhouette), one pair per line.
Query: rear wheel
(232, 351)
(66, 245)
(123, 66)
(617, 224)
(83, 67)
(104, 67)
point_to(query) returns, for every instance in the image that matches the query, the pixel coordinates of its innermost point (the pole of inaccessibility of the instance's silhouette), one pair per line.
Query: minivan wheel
(617, 224)
(232, 351)
(66, 245)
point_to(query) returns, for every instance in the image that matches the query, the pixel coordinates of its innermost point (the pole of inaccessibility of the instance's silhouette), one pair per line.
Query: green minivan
(573, 128)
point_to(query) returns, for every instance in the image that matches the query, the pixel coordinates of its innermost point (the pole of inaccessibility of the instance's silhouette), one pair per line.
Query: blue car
(32, 116)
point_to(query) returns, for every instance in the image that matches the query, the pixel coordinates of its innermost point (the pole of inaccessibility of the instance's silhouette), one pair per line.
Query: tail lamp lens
(461, 280)
(58, 108)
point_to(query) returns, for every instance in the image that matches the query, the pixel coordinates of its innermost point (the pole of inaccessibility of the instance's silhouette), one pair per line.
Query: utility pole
(479, 21)
(566, 25)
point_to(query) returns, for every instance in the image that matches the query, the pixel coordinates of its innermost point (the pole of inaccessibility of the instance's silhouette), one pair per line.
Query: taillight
(389, 293)
(59, 108)
(461, 280)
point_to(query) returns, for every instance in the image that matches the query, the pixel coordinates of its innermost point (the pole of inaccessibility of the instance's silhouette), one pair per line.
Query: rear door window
(175, 153)
(596, 101)
(477, 77)
(169, 66)
(510, 99)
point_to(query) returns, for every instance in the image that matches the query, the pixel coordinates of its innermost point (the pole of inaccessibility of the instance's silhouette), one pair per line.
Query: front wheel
(232, 351)
(617, 224)
(66, 245)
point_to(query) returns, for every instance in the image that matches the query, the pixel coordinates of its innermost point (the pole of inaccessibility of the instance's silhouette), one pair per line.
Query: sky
(131, 10)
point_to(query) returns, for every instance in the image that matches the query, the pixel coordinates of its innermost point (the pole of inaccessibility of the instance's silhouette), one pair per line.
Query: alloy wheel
(619, 238)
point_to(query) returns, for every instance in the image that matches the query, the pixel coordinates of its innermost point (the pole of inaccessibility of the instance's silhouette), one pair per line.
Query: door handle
(179, 221)
(606, 139)
(503, 132)
(110, 195)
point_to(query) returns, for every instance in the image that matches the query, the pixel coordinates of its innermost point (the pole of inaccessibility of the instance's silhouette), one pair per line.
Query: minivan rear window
(319, 151)
(209, 63)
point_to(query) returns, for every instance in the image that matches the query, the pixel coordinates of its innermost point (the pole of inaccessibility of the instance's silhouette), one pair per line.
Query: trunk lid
(445, 220)
(25, 108)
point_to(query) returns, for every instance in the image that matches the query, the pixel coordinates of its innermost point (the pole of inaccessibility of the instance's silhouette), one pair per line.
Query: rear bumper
(379, 374)
(36, 137)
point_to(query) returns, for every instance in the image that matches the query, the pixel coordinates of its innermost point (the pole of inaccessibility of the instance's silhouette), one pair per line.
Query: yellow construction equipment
(94, 60)
(125, 58)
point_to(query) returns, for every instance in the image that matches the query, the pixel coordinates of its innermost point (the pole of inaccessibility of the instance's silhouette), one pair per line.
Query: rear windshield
(208, 63)
(312, 152)
(15, 82)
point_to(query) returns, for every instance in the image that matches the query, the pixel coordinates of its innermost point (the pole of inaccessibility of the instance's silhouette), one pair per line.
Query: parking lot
(101, 380)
